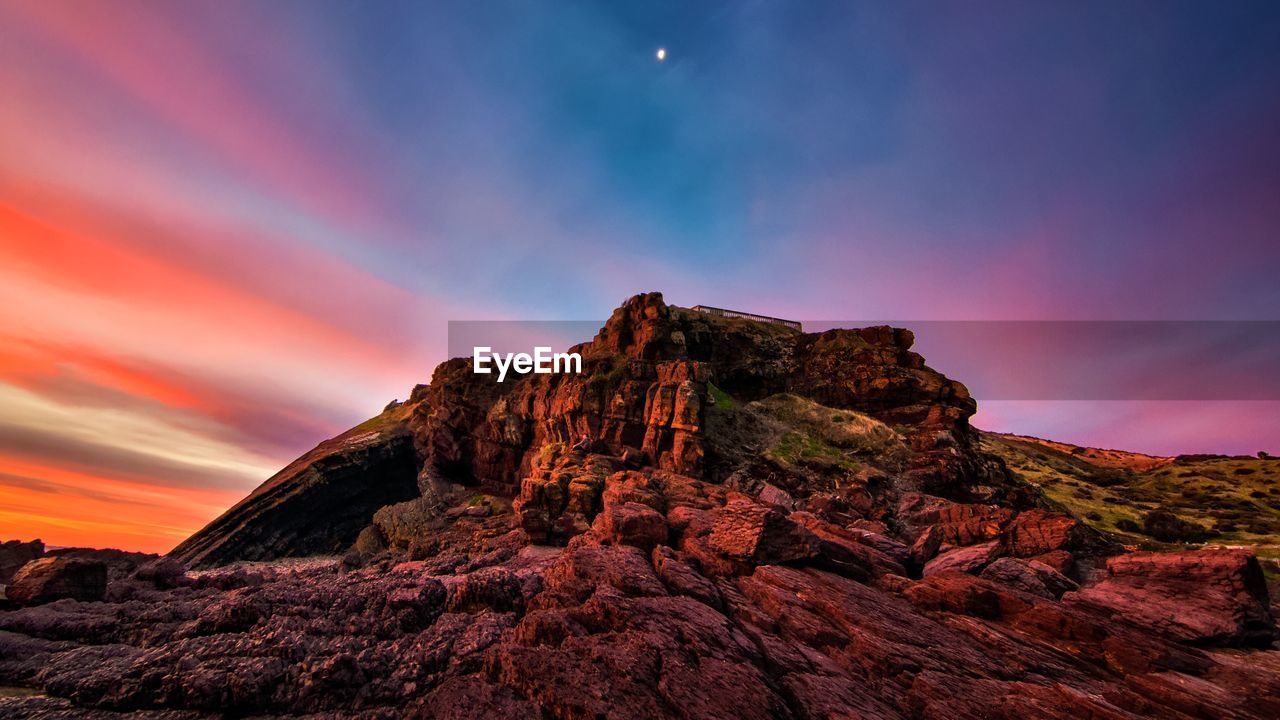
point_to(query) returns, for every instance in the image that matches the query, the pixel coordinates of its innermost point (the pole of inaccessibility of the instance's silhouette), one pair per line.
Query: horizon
(230, 231)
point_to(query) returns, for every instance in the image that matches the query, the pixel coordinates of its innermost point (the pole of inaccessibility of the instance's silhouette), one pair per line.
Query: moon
(662, 54)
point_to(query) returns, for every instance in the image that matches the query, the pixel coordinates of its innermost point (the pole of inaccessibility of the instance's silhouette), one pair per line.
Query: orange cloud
(68, 508)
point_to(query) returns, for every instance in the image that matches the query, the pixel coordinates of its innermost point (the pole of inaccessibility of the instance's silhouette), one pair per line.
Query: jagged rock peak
(649, 378)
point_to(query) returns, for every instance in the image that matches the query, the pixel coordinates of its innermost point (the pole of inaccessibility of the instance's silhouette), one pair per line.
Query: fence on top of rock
(746, 315)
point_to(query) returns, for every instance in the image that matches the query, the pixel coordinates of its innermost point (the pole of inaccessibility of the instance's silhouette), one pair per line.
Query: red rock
(852, 552)
(926, 545)
(425, 600)
(774, 495)
(558, 502)
(954, 592)
(1029, 576)
(631, 523)
(55, 578)
(469, 697)
(1212, 597)
(750, 532)
(634, 487)
(966, 559)
(681, 578)
(956, 523)
(1060, 560)
(581, 568)
(492, 588)
(896, 551)
(1037, 532)
(709, 623)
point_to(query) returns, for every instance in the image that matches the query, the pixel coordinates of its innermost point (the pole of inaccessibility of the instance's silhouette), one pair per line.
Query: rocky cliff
(645, 392)
(765, 524)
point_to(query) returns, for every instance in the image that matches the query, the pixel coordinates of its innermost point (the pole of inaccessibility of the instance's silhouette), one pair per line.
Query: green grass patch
(719, 398)
(796, 447)
(1228, 494)
(385, 419)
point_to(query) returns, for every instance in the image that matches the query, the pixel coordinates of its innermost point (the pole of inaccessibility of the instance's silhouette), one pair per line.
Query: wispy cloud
(229, 230)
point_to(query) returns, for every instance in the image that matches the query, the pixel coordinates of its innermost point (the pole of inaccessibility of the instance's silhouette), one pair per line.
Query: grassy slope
(1239, 497)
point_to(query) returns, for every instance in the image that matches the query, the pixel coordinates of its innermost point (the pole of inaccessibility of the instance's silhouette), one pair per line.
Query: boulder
(1030, 576)
(954, 592)
(631, 523)
(926, 545)
(559, 500)
(14, 554)
(955, 523)
(852, 552)
(965, 560)
(1209, 597)
(55, 578)
(750, 532)
(681, 578)
(1037, 532)
(370, 541)
(163, 572)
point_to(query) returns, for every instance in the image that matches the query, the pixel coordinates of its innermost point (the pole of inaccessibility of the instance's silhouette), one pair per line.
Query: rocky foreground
(764, 524)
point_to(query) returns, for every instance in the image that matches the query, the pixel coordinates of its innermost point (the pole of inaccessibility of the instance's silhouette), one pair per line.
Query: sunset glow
(229, 231)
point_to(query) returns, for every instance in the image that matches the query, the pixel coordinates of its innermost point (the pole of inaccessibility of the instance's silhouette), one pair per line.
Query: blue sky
(242, 227)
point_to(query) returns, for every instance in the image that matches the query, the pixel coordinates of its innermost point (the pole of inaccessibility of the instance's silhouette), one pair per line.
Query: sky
(229, 230)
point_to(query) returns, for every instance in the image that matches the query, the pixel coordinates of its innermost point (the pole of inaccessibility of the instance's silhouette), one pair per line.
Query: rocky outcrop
(14, 554)
(56, 578)
(319, 503)
(644, 390)
(1212, 597)
(643, 397)
(561, 496)
(761, 523)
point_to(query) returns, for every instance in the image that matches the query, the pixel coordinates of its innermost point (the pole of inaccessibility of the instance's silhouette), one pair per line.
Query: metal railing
(746, 316)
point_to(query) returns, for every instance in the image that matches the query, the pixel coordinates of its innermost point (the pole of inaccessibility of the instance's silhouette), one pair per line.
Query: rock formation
(14, 554)
(55, 578)
(766, 524)
(319, 503)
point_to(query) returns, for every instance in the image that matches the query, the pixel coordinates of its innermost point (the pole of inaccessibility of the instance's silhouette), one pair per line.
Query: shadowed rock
(319, 503)
(56, 578)
(14, 554)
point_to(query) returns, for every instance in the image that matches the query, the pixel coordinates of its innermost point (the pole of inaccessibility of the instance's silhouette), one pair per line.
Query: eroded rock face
(644, 391)
(1209, 596)
(643, 397)
(56, 578)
